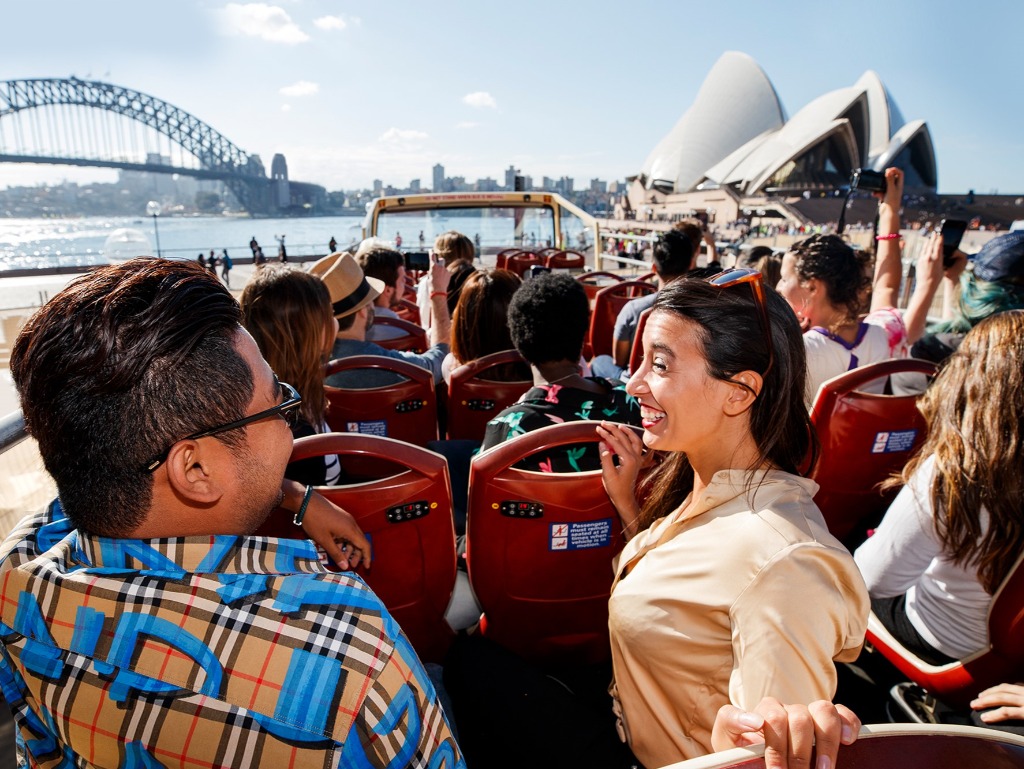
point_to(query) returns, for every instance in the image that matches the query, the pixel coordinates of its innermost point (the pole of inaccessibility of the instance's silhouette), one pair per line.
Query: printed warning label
(897, 440)
(378, 428)
(581, 536)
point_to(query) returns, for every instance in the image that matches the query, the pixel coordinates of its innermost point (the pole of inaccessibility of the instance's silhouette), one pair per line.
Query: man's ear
(746, 386)
(193, 470)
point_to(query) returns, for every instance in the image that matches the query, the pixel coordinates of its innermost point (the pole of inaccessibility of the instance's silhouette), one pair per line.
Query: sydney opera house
(735, 146)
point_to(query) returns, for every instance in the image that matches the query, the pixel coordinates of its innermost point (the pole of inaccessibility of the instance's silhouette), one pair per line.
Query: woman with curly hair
(288, 312)
(826, 283)
(955, 530)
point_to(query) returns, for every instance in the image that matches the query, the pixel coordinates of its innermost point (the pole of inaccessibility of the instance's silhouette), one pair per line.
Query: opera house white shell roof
(736, 133)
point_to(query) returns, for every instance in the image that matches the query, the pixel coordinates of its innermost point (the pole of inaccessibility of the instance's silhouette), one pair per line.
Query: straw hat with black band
(350, 290)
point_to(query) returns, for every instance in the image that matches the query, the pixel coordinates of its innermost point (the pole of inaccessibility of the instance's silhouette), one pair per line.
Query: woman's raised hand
(620, 480)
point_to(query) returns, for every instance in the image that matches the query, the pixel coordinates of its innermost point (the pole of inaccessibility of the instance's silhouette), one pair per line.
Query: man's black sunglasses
(286, 409)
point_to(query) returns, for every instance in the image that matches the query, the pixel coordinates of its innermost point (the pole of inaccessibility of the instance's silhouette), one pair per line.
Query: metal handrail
(12, 430)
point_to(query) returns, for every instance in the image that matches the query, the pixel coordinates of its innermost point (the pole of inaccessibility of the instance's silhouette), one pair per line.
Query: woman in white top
(955, 530)
(826, 283)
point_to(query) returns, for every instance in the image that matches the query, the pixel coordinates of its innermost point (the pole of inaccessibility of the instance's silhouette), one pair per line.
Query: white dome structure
(735, 134)
(735, 104)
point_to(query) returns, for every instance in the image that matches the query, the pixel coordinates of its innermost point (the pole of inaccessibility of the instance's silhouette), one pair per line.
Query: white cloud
(480, 99)
(402, 135)
(330, 22)
(466, 124)
(286, 107)
(267, 22)
(301, 88)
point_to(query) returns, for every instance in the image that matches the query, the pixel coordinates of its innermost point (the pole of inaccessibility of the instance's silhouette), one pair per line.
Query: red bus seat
(607, 305)
(636, 352)
(957, 683)
(408, 310)
(474, 400)
(501, 258)
(406, 411)
(406, 512)
(897, 746)
(595, 281)
(648, 277)
(414, 338)
(565, 260)
(865, 438)
(540, 548)
(521, 263)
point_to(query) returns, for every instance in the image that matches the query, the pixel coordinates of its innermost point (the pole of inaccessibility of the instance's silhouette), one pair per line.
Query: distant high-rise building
(486, 184)
(439, 178)
(598, 186)
(565, 185)
(378, 188)
(527, 183)
(547, 183)
(510, 178)
(414, 185)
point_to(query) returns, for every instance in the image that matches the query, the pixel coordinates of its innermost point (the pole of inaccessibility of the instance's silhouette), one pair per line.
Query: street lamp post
(153, 209)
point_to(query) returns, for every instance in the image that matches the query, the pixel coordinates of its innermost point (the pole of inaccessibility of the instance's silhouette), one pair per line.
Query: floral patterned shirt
(546, 405)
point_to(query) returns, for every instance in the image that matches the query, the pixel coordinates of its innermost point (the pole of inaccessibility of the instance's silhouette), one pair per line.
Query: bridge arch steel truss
(244, 175)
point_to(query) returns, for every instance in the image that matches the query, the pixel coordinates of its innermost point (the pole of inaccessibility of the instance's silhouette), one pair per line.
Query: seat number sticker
(897, 440)
(581, 536)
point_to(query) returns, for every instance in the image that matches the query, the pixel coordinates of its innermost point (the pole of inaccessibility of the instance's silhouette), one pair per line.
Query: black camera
(866, 180)
(418, 261)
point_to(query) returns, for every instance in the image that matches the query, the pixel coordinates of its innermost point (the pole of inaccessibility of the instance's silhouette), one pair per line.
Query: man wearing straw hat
(352, 296)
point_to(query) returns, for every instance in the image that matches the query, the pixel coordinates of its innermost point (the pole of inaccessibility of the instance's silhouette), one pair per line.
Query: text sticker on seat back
(897, 440)
(581, 536)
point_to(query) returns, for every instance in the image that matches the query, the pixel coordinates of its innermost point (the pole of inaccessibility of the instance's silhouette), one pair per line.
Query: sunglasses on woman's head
(740, 275)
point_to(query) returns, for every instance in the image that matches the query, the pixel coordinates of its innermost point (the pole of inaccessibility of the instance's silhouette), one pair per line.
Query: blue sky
(356, 91)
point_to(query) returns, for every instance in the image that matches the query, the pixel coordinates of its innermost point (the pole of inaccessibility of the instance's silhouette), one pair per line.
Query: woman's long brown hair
(974, 411)
(288, 313)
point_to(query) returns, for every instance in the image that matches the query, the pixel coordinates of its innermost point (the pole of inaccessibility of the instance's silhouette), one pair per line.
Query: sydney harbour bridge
(90, 123)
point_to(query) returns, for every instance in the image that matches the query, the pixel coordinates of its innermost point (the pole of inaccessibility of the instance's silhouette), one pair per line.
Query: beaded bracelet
(297, 520)
(890, 236)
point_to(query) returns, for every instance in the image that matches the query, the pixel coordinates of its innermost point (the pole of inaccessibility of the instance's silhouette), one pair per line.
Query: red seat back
(539, 549)
(595, 281)
(565, 260)
(865, 438)
(501, 258)
(408, 309)
(474, 400)
(607, 305)
(407, 515)
(649, 277)
(406, 411)
(521, 263)
(414, 338)
(636, 353)
(959, 682)
(900, 746)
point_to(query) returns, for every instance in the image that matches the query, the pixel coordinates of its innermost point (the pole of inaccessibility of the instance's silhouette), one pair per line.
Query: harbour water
(34, 243)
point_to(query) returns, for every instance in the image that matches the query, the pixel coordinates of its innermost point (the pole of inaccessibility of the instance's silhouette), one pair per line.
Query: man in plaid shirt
(140, 625)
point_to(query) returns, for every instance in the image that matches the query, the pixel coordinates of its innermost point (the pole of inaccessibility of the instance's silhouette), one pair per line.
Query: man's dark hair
(117, 367)
(548, 318)
(381, 263)
(673, 254)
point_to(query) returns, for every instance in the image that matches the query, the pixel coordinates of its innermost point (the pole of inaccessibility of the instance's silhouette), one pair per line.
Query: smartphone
(417, 260)
(537, 269)
(952, 233)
